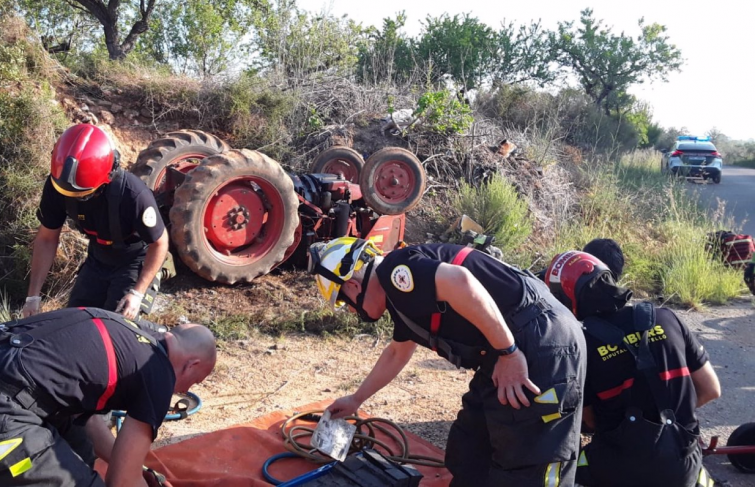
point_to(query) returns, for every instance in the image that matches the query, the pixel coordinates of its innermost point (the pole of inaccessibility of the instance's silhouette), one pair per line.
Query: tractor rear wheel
(392, 181)
(234, 216)
(744, 435)
(341, 160)
(182, 150)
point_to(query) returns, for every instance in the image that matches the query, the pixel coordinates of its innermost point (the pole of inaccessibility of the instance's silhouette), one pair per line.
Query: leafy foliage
(461, 47)
(386, 55)
(608, 64)
(443, 113)
(204, 37)
(523, 53)
(295, 43)
(496, 206)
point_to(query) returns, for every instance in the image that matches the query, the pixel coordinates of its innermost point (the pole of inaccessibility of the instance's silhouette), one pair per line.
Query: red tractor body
(235, 215)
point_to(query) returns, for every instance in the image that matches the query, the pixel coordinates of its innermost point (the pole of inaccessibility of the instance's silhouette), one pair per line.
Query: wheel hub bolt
(238, 217)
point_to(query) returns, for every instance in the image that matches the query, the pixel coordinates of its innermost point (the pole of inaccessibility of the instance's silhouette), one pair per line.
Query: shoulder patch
(401, 277)
(149, 217)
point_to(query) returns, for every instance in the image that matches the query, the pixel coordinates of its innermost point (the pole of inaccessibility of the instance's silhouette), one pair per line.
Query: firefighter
(114, 209)
(57, 369)
(646, 376)
(519, 422)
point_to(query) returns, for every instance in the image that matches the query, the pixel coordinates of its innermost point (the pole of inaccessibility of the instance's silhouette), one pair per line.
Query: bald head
(197, 341)
(192, 352)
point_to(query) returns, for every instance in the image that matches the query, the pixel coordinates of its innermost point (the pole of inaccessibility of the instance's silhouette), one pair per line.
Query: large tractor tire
(744, 435)
(182, 150)
(392, 181)
(339, 160)
(234, 217)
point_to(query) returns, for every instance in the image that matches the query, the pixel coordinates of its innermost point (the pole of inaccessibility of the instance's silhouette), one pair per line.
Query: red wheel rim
(297, 239)
(185, 164)
(394, 181)
(343, 168)
(243, 220)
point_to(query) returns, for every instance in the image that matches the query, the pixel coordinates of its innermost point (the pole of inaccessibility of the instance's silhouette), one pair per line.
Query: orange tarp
(233, 457)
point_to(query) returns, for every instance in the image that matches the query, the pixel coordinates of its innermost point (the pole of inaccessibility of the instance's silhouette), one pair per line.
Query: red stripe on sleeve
(605, 395)
(673, 374)
(112, 366)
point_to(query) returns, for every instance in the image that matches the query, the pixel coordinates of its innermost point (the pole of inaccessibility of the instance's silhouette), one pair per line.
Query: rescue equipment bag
(734, 249)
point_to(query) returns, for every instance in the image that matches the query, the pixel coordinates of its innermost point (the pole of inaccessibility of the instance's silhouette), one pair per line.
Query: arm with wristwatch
(467, 296)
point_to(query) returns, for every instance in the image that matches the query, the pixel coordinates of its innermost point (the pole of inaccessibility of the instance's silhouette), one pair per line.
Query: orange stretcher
(233, 457)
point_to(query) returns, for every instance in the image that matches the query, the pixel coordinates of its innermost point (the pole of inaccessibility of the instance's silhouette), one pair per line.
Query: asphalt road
(737, 190)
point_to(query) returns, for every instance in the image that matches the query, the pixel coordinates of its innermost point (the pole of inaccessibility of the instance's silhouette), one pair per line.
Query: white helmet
(335, 262)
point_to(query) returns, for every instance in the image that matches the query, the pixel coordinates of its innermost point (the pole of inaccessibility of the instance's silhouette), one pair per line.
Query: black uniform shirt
(611, 371)
(71, 365)
(140, 221)
(408, 278)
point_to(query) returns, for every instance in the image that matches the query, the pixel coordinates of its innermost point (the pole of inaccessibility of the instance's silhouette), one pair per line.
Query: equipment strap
(114, 192)
(643, 317)
(435, 319)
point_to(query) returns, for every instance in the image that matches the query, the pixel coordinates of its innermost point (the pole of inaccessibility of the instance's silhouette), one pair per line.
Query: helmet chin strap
(358, 306)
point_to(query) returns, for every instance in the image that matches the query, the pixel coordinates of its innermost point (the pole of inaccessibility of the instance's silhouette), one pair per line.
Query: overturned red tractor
(236, 214)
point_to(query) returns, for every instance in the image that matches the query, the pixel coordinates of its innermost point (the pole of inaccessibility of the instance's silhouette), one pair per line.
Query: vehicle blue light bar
(693, 137)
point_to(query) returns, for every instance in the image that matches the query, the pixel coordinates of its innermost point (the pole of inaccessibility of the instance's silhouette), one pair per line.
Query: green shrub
(443, 113)
(496, 206)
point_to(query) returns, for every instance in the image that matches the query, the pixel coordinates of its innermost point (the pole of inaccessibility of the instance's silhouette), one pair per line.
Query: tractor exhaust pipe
(342, 210)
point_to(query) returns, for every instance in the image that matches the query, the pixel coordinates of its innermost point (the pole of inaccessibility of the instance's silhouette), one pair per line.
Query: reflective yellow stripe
(20, 467)
(377, 238)
(8, 446)
(582, 462)
(703, 479)
(550, 417)
(547, 397)
(72, 194)
(552, 475)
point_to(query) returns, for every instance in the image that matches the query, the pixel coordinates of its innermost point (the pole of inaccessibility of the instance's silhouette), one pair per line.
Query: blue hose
(119, 415)
(272, 460)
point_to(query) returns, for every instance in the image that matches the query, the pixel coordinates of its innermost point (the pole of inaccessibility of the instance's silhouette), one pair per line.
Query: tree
(523, 54)
(202, 36)
(61, 28)
(296, 43)
(110, 16)
(386, 55)
(459, 46)
(608, 64)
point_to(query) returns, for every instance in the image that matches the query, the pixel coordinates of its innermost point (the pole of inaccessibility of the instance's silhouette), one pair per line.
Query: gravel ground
(264, 374)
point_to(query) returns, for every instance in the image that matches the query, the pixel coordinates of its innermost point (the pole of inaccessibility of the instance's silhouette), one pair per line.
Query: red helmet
(83, 159)
(569, 272)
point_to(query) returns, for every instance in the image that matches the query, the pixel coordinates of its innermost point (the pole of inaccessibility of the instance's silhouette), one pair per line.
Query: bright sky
(716, 87)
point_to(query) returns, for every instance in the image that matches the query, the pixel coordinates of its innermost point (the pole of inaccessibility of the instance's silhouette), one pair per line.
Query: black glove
(750, 276)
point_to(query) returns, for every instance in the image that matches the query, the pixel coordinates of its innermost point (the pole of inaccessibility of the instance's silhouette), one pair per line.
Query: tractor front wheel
(340, 160)
(392, 181)
(234, 217)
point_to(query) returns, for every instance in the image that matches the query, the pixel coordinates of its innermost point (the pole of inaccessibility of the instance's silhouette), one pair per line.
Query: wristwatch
(506, 351)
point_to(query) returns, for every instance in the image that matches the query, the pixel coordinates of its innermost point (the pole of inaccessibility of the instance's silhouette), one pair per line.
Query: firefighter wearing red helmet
(646, 375)
(116, 211)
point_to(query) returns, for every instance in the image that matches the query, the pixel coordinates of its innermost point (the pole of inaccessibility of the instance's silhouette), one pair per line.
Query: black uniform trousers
(103, 286)
(495, 445)
(32, 450)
